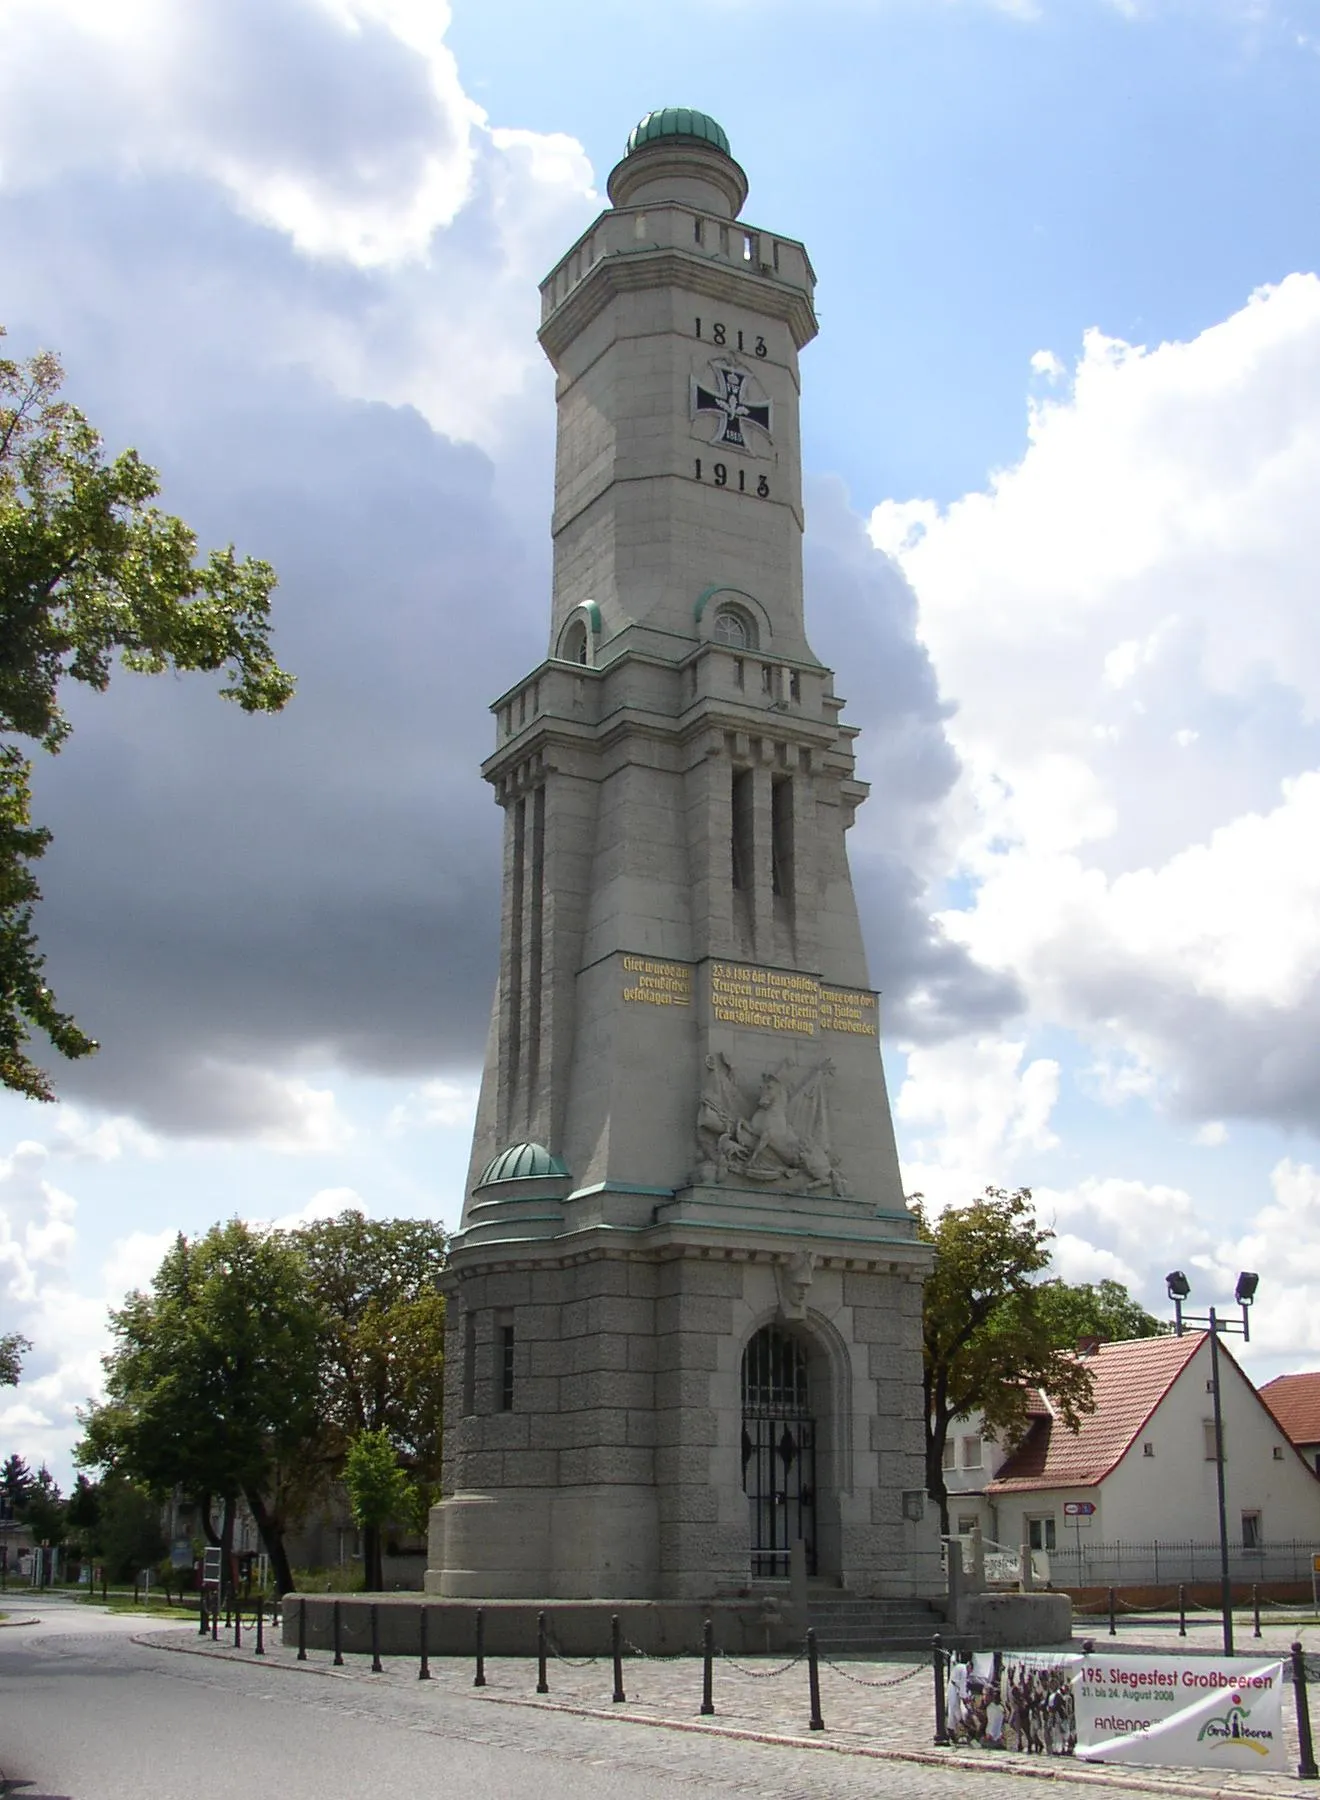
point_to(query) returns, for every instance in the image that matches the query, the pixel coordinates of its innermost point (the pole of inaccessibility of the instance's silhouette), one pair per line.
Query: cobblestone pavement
(872, 1710)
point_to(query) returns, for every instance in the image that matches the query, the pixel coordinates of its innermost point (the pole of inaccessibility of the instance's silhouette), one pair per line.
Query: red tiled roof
(1295, 1402)
(1131, 1378)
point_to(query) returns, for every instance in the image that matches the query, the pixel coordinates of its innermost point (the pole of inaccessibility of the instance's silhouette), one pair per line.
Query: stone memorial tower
(685, 1299)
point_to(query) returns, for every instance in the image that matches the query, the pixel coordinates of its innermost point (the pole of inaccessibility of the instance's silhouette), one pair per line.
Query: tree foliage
(1104, 1310)
(988, 1340)
(213, 1379)
(383, 1342)
(13, 1348)
(258, 1358)
(90, 572)
(379, 1493)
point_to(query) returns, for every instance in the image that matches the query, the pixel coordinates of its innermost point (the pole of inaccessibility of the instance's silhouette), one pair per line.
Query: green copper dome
(523, 1162)
(677, 121)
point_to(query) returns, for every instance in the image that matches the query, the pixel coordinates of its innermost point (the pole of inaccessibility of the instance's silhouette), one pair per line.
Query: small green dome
(677, 121)
(523, 1162)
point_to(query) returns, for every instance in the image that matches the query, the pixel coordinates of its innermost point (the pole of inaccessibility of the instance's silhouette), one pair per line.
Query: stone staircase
(847, 1625)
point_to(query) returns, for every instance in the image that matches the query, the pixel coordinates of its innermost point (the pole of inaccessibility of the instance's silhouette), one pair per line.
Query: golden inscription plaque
(849, 1009)
(764, 999)
(777, 1000)
(649, 982)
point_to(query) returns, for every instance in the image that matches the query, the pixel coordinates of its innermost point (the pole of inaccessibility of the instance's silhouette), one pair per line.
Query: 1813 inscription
(756, 999)
(777, 1000)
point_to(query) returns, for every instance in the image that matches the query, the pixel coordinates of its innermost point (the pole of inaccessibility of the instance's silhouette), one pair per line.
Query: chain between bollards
(480, 1679)
(937, 1664)
(616, 1647)
(334, 1633)
(707, 1669)
(261, 1636)
(424, 1649)
(816, 1722)
(376, 1668)
(302, 1628)
(542, 1685)
(1306, 1769)
(1182, 1610)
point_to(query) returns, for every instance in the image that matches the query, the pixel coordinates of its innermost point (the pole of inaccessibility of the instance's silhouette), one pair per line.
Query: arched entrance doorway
(778, 1450)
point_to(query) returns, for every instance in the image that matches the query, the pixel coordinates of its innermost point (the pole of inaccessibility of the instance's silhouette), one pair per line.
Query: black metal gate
(778, 1451)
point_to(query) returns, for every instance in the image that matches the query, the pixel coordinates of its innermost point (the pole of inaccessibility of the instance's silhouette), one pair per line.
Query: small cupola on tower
(679, 154)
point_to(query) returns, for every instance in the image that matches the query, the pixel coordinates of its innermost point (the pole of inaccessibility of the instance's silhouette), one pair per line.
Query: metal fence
(1153, 1564)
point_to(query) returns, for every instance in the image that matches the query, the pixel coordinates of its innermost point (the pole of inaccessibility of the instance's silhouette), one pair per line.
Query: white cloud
(1125, 620)
(133, 1261)
(1212, 1134)
(326, 1203)
(339, 126)
(971, 1110)
(446, 1104)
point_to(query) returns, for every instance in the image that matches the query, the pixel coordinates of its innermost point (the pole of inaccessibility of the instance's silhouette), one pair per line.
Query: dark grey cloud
(229, 896)
(862, 620)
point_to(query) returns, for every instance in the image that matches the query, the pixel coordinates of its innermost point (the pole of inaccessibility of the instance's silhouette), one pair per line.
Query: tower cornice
(631, 271)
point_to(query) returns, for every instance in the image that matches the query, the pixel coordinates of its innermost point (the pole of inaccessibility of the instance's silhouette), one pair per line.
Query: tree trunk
(271, 1528)
(227, 1548)
(373, 1572)
(936, 1489)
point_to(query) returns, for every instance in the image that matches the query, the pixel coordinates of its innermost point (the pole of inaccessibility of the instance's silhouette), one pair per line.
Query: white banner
(1204, 1712)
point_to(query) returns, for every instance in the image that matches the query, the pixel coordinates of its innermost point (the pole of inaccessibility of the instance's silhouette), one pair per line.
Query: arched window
(734, 629)
(573, 647)
(778, 1451)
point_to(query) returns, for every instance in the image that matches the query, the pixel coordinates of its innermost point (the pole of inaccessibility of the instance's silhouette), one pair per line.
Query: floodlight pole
(1225, 1584)
(1246, 1293)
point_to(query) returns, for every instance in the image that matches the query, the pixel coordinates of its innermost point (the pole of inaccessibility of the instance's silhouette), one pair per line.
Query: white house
(1295, 1402)
(1141, 1470)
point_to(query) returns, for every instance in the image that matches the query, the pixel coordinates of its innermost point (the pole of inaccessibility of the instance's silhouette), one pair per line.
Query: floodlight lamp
(1178, 1285)
(1245, 1292)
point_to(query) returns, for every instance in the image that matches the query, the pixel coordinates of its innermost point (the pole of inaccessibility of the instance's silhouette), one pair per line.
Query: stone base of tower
(631, 1415)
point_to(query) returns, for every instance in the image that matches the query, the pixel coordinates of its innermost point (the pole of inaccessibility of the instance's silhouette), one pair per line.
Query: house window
(1252, 1538)
(971, 1453)
(1278, 1453)
(1148, 1449)
(966, 1526)
(506, 1368)
(1040, 1533)
(949, 1450)
(1211, 1451)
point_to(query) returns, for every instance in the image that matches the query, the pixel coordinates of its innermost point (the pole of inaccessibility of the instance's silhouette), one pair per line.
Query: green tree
(15, 1483)
(90, 570)
(13, 1348)
(379, 1494)
(125, 1534)
(1104, 1310)
(986, 1337)
(213, 1379)
(382, 1346)
(43, 1510)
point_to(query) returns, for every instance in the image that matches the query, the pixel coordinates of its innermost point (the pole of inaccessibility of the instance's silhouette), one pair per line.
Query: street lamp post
(1179, 1288)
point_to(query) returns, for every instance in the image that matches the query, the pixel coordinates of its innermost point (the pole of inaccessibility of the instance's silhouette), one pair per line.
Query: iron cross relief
(730, 404)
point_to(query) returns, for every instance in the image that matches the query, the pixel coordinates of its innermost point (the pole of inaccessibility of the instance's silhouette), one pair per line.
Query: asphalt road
(87, 1714)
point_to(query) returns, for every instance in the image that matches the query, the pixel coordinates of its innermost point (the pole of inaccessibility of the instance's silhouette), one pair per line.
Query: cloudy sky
(1062, 436)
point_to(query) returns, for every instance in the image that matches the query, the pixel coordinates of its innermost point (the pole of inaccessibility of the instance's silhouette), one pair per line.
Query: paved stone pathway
(872, 1708)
